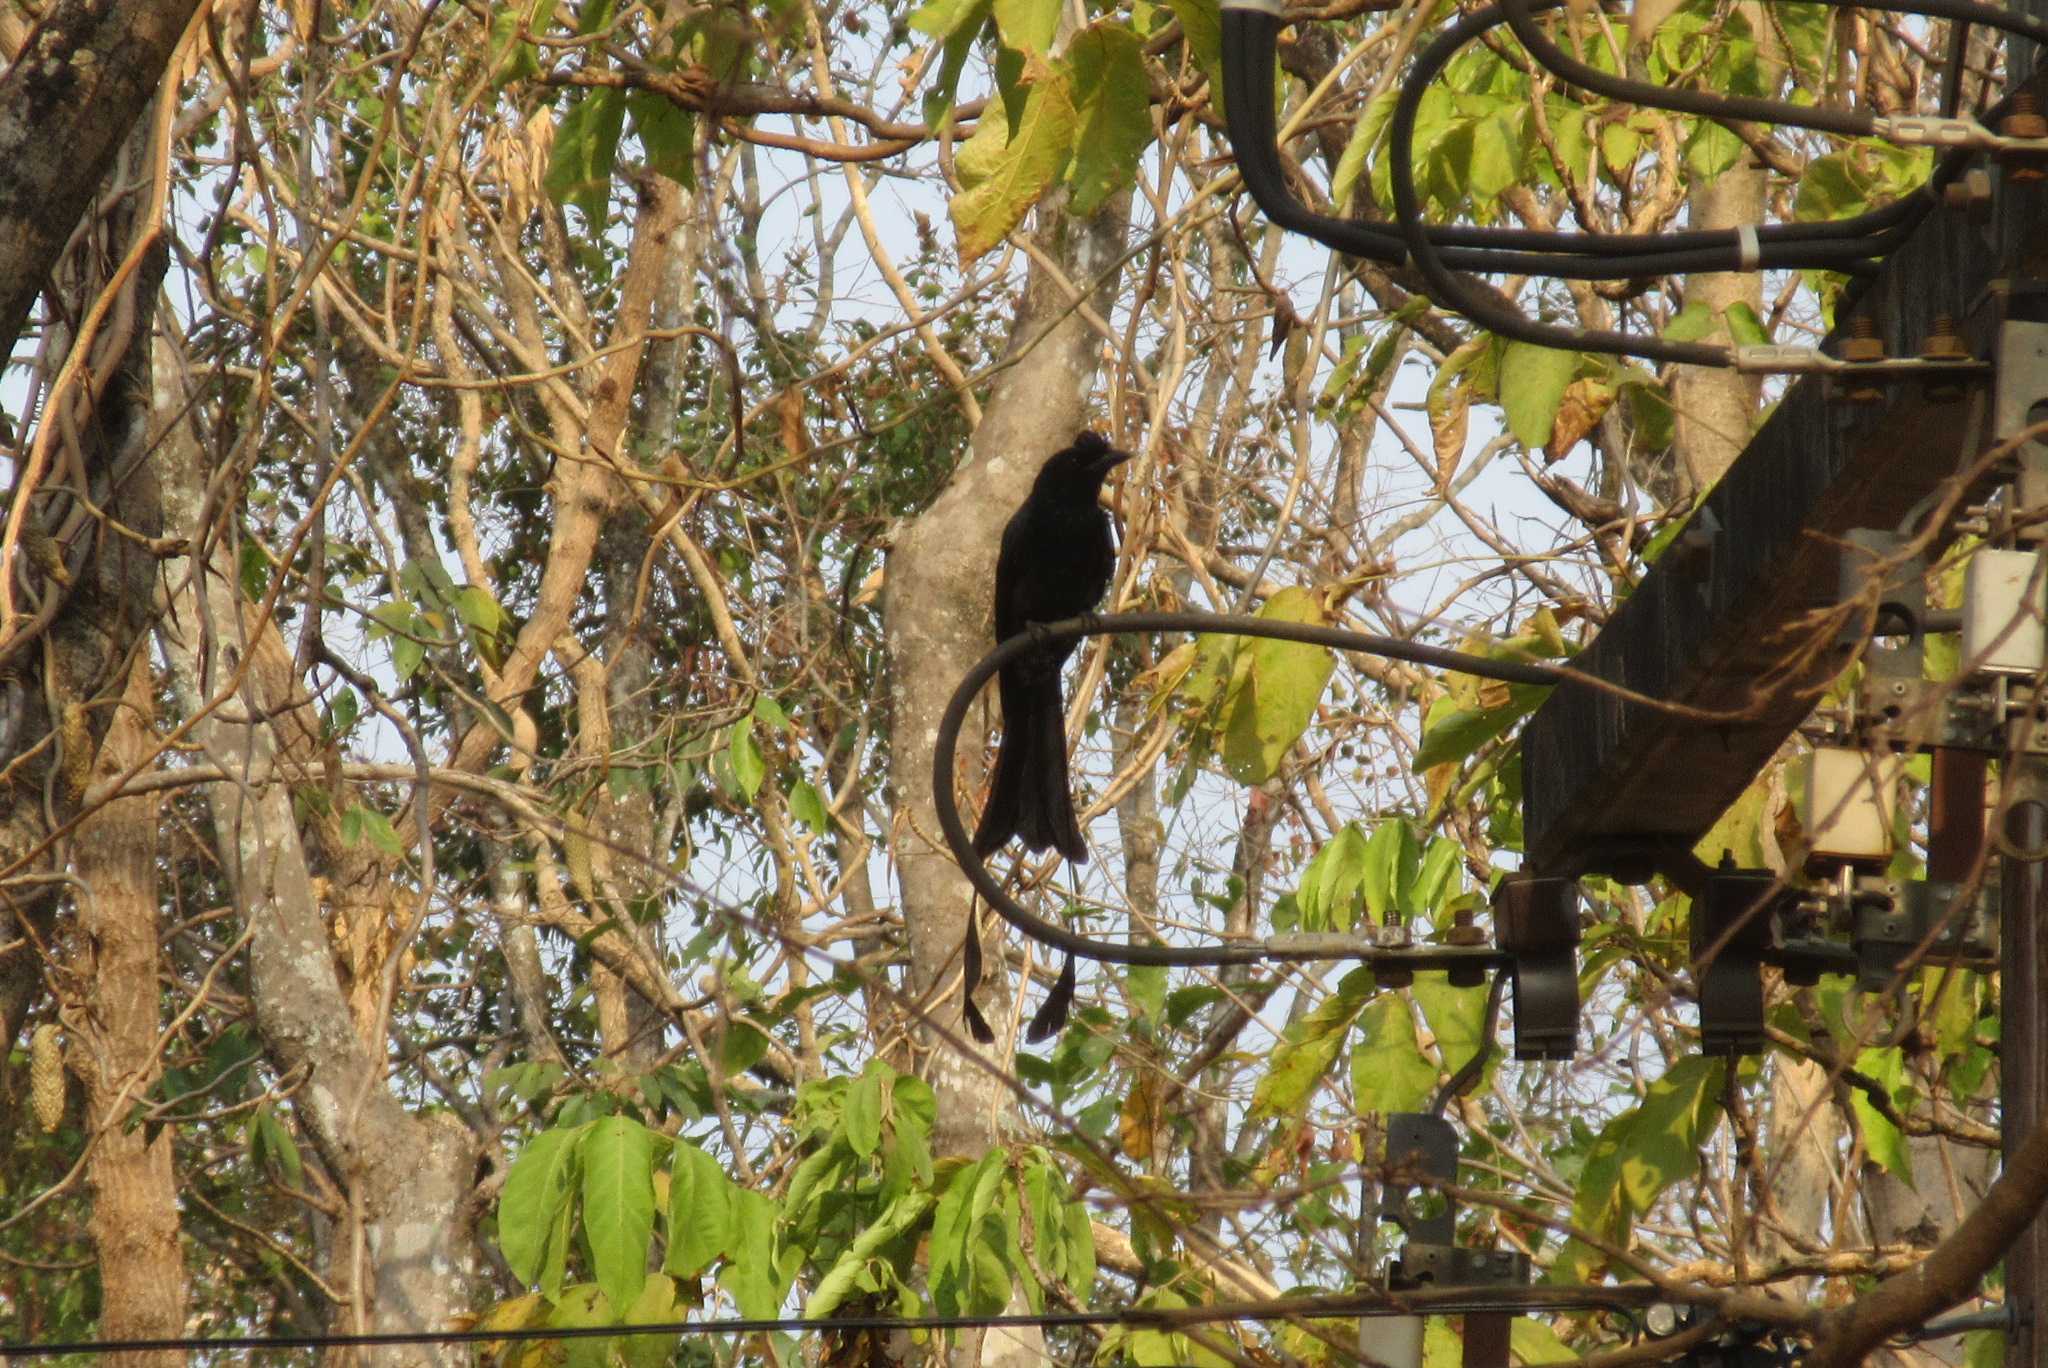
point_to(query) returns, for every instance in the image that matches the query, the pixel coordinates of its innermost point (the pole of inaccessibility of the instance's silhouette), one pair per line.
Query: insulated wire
(1309, 947)
(1250, 42)
(1416, 1302)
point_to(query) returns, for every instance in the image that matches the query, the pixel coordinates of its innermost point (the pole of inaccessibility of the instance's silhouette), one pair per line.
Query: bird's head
(1083, 466)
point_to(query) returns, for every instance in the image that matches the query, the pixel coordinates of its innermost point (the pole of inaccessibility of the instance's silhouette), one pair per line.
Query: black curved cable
(1495, 313)
(1251, 29)
(1309, 946)
(1855, 123)
(1250, 43)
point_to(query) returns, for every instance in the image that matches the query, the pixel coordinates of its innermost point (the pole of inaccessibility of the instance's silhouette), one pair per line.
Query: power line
(1424, 1301)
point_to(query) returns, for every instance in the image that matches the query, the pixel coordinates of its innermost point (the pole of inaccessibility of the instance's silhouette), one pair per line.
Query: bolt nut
(2024, 121)
(1970, 195)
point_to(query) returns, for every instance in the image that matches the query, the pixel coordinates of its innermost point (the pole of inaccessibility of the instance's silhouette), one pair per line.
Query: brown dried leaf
(1449, 413)
(1585, 403)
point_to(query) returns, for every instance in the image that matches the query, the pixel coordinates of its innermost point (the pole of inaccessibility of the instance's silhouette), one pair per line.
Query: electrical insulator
(1850, 796)
(2002, 614)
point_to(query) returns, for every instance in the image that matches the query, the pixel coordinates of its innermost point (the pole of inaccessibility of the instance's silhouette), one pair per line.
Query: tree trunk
(406, 1253)
(88, 71)
(937, 620)
(135, 1209)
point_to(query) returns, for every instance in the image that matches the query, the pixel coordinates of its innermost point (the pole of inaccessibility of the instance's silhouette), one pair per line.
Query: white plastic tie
(1748, 251)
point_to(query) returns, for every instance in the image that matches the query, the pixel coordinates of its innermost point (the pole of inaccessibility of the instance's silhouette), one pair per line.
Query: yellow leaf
(1013, 178)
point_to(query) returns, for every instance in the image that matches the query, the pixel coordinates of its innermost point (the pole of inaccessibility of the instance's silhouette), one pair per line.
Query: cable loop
(1365, 946)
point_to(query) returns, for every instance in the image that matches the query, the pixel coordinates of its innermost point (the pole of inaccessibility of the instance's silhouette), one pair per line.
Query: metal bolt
(1862, 344)
(2023, 120)
(1944, 343)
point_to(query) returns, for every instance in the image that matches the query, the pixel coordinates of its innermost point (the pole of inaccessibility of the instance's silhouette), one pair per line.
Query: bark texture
(937, 618)
(85, 75)
(135, 1207)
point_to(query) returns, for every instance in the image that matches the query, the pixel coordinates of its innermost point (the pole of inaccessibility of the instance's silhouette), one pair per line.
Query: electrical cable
(1364, 946)
(1251, 31)
(1251, 36)
(1496, 314)
(1446, 1301)
(1852, 123)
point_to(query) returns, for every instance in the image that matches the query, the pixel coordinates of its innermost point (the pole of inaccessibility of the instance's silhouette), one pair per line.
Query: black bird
(1057, 557)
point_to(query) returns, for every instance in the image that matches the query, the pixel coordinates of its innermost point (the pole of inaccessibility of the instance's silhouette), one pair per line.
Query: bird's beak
(1109, 460)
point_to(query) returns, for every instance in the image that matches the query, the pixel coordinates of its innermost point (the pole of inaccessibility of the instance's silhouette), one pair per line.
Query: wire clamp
(1772, 359)
(1928, 130)
(1749, 253)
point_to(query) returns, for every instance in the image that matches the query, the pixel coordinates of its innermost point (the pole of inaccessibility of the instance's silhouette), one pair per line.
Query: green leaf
(1309, 1046)
(359, 823)
(656, 1305)
(475, 606)
(1201, 26)
(1666, 1135)
(1456, 1016)
(1027, 25)
(586, 143)
(748, 769)
(668, 136)
(1534, 1342)
(1390, 856)
(255, 571)
(578, 1308)
(864, 1111)
(1328, 894)
(700, 1212)
(1274, 690)
(1641, 1153)
(343, 714)
(1984, 1349)
(1497, 155)
(1744, 326)
(1014, 171)
(1105, 68)
(1884, 1141)
(960, 22)
(513, 56)
(897, 1218)
(750, 1274)
(618, 1204)
(1365, 139)
(536, 1191)
(967, 1198)
(1388, 1070)
(1712, 150)
(1451, 733)
(808, 807)
(943, 18)
(1532, 385)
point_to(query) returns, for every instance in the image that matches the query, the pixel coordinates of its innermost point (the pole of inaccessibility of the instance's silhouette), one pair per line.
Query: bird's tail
(1029, 795)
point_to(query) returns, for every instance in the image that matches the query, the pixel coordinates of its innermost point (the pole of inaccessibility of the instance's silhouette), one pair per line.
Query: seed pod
(46, 1077)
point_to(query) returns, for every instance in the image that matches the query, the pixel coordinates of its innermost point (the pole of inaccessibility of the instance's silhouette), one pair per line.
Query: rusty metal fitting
(2023, 120)
(1944, 343)
(1464, 930)
(1863, 344)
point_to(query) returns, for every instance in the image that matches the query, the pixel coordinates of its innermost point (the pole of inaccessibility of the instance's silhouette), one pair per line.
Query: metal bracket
(1928, 130)
(1732, 933)
(2020, 401)
(1889, 922)
(1536, 922)
(1429, 1146)
(1761, 359)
